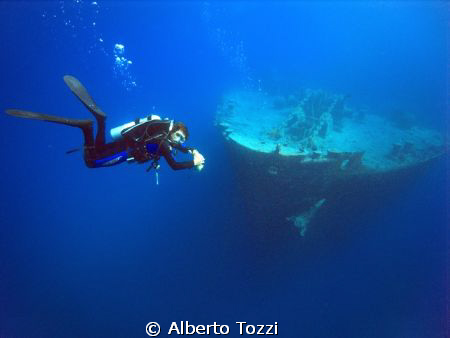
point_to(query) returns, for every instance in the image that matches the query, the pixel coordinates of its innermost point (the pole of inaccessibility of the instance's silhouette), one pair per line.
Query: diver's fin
(80, 91)
(49, 118)
(70, 151)
(84, 125)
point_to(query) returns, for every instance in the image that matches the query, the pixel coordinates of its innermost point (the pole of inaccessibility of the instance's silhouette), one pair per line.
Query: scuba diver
(140, 141)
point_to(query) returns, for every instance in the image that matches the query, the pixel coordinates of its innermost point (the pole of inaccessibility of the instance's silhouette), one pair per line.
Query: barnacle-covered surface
(297, 154)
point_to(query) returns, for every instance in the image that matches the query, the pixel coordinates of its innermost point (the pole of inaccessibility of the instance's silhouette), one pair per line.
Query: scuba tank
(116, 133)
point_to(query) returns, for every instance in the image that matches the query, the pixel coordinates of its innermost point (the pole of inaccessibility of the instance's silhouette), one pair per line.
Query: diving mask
(178, 137)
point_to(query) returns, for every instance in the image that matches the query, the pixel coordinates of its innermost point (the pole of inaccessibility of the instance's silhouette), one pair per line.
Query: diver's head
(179, 133)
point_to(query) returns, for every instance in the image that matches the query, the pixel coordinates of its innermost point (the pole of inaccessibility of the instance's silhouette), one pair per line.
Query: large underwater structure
(311, 154)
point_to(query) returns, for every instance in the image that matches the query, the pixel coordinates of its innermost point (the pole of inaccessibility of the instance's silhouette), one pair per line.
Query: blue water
(100, 253)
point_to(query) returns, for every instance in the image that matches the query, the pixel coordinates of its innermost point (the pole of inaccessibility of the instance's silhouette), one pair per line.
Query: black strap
(70, 151)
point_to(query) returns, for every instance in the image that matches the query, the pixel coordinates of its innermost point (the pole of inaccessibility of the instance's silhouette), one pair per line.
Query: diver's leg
(100, 137)
(84, 125)
(88, 135)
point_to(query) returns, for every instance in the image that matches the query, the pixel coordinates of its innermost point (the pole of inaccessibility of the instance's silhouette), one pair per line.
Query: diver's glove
(199, 160)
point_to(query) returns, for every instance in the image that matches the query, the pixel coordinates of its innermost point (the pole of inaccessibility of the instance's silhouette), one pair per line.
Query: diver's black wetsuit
(142, 142)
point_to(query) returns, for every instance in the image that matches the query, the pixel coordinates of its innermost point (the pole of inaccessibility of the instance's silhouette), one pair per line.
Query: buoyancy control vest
(144, 136)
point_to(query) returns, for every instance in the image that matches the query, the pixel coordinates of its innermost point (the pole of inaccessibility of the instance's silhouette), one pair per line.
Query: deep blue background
(99, 253)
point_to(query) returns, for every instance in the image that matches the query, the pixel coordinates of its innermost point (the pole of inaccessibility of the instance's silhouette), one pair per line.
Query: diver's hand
(199, 160)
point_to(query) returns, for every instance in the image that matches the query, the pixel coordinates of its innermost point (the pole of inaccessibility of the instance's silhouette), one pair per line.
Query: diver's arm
(165, 151)
(181, 148)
